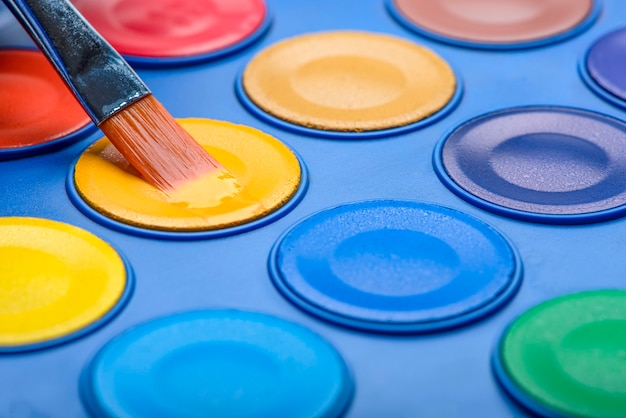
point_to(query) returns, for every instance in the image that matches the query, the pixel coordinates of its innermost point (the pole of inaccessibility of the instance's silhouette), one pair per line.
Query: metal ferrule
(100, 78)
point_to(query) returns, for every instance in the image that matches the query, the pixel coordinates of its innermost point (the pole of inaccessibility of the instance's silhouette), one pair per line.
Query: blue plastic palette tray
(390, 283)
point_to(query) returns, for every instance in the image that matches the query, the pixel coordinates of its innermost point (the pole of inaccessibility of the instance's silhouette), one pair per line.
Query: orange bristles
(157, 146)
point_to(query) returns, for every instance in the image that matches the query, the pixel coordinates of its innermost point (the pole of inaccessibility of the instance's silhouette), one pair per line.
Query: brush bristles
(156, 145)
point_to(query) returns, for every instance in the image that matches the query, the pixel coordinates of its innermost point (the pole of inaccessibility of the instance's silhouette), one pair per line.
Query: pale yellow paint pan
(57, 282)
(263, 175)
(349, 81)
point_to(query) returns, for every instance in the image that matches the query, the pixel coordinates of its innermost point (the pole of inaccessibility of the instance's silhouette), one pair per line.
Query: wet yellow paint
(56, 279)
(261, 176)
(349, 81)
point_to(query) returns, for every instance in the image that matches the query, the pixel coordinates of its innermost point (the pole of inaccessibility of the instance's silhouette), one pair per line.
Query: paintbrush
(114, 96)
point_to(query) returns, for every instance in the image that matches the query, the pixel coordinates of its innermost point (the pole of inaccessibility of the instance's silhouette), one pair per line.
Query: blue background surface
(445, 374)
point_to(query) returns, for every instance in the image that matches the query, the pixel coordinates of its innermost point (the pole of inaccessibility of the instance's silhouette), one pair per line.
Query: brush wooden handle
(100, 78)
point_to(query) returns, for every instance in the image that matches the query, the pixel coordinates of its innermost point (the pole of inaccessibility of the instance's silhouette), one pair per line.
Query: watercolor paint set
(427, 217)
